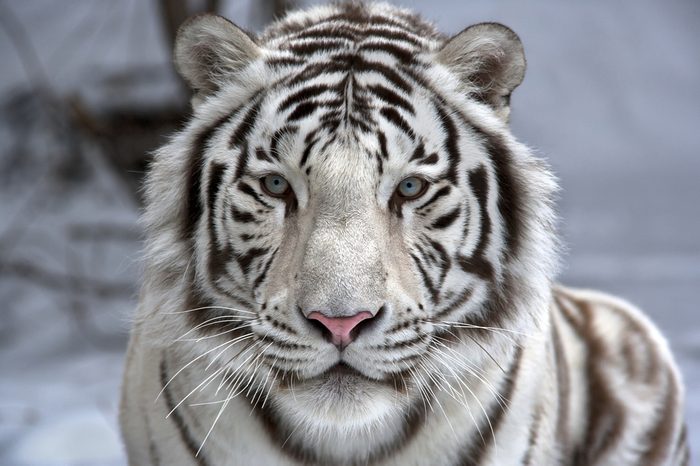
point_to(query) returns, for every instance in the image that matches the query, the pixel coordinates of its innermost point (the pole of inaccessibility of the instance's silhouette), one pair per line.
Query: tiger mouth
(341, 369)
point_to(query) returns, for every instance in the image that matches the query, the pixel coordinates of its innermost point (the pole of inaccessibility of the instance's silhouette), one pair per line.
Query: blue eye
(275, 185)
(411, 187)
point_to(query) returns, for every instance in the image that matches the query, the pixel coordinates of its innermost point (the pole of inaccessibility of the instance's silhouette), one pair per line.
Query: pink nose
(340, 327)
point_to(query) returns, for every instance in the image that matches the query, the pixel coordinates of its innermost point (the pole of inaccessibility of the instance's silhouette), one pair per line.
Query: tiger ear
(209, 48)
(490, 60)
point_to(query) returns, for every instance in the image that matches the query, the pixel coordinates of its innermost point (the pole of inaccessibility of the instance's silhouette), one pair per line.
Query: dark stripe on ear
(178, 421)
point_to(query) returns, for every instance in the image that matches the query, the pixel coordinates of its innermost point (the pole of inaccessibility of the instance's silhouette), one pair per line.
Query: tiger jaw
(341, 414)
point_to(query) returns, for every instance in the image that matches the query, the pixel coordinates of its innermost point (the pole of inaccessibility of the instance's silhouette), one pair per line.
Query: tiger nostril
(341, 331)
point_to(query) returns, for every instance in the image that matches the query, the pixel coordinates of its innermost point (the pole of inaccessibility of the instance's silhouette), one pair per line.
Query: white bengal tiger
(350, 260)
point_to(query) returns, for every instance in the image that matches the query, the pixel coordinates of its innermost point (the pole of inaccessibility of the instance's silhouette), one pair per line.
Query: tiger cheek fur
(350, 260)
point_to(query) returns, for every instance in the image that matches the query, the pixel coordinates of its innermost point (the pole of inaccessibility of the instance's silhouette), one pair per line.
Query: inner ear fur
(489, 59)
(209, 49)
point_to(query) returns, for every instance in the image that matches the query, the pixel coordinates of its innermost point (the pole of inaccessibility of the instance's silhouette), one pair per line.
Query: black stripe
(215, 179)
(303, 110)
(284, 61)
(391, 75)
(178, 421)
(260, 154)
(418, 152)
(242, 217)
(444, 260)
(308, 48)
(395, 118)
(434, 295)
(446, 220)
(246, 125)
(478, 180)
(400, 53)
(259, 279)
(464, 296)
(248, 189)
(277, 137)
(510, 206)
(307, 152)
(382, 145)
(316, 69)
(193, 205)
(242, 162)
(442, 192)
(432, 159)
(477, 265)
(244, 260)
(451, 142)
(304, 94)
(390, 97)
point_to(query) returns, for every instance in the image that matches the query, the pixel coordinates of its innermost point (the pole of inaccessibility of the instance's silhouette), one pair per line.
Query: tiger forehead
(355, 22)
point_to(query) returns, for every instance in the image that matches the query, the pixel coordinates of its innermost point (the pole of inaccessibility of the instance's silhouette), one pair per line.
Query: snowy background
(611, 98)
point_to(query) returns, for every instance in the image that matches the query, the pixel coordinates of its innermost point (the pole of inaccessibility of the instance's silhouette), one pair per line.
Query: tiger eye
(411, 187)
(275, 185)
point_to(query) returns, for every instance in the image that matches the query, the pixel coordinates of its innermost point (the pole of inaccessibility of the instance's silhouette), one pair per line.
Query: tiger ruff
(468, 354)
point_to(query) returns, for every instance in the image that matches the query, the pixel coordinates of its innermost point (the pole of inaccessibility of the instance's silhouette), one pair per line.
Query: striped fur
(474, 356)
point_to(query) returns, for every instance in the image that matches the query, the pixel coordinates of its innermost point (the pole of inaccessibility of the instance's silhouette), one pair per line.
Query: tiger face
(354, 201)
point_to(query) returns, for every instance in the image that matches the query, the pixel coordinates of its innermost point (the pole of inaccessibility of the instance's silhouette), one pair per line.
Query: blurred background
(611, 99)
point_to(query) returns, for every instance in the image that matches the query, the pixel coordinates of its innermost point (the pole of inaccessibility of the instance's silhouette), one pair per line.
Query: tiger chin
(351, 260)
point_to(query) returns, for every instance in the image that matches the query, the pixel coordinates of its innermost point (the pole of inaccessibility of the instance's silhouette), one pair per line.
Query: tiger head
(346, 222)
